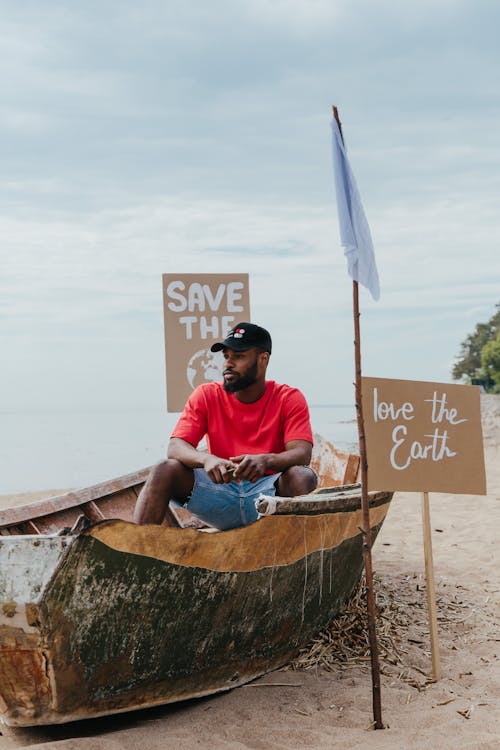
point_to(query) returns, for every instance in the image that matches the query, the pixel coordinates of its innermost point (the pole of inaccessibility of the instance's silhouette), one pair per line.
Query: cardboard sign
(199, 309)
(423, 437)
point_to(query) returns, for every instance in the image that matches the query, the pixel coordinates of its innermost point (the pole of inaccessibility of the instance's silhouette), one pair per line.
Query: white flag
(355, 234)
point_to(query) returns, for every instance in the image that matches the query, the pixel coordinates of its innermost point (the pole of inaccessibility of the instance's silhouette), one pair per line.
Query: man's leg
(297, 480)
(168, 479)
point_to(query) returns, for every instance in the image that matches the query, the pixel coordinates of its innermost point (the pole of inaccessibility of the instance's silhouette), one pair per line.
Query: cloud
(163, 138)
(91, 284)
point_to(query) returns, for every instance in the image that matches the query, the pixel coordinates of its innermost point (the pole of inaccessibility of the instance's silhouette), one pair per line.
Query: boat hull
(129, 617)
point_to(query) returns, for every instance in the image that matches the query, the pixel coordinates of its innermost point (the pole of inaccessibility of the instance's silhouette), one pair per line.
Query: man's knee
(167, 480)
(167, 469)
(297, 480)
(173, 477)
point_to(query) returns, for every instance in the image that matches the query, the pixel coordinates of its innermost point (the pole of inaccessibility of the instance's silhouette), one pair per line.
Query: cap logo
(244, 336)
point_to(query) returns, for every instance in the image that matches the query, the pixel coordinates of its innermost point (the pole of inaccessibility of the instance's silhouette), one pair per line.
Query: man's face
(241, 369)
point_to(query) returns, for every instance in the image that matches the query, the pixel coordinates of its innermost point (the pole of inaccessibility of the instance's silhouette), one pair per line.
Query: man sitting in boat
(259, 440)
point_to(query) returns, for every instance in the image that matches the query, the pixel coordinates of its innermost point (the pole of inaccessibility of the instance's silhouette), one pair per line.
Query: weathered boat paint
(134, 631)
(122, 617)
(26, 566)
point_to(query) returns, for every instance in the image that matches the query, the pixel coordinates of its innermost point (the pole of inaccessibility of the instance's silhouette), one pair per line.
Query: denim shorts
(227, 506)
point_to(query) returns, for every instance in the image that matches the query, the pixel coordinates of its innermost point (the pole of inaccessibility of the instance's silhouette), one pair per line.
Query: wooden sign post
(430, 587)
(349, 187)
(423, 437)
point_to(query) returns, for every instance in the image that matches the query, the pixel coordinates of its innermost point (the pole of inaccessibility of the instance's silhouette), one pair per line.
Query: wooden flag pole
(430, 588)
(367, 537)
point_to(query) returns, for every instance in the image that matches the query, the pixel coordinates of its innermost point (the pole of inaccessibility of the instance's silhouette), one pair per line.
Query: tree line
(479, 359)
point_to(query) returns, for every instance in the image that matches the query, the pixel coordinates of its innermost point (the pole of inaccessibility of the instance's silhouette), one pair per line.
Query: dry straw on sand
(402, 625)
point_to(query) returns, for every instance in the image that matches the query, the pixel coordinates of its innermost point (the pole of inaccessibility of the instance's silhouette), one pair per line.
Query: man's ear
(266, 355)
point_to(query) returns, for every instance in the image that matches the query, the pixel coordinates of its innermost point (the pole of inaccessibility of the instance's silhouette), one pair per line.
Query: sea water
(71, 449)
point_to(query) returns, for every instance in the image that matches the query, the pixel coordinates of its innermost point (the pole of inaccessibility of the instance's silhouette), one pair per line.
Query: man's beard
(242, 381)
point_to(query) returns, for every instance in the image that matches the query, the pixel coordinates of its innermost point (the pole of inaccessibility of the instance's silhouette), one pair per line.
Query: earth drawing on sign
(204, 367)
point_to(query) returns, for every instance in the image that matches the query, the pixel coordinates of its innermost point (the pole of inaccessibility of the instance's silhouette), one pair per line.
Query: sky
(148, 138)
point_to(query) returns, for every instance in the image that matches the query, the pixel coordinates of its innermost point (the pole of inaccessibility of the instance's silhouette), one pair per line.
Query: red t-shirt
(234, 428)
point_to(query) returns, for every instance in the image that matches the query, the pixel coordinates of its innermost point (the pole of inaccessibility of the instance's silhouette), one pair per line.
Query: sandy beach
(324, 708)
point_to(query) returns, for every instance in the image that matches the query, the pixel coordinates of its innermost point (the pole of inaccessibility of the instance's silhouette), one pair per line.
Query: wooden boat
(98, 615)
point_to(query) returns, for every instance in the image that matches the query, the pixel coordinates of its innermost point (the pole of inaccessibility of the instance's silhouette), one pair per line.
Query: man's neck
(252, 393)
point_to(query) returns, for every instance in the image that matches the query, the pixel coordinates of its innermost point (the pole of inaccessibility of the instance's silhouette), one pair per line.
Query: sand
(323, 709)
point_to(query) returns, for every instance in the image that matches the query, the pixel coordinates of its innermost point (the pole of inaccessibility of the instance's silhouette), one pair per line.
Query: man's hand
(218, 469)
(250, 467)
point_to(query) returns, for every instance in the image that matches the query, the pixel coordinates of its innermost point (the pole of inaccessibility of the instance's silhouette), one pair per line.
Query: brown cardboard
(198, 310)
(423, 437)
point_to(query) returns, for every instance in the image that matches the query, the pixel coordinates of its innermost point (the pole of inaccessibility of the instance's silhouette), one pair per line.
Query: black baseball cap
(245, 336)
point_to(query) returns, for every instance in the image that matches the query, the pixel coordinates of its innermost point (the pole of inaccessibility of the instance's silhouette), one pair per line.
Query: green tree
(490, 360)
(469, 364)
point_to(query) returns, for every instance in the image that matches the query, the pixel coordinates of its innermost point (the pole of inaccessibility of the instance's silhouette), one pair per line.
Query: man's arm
(188, 455)
(253, 467)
